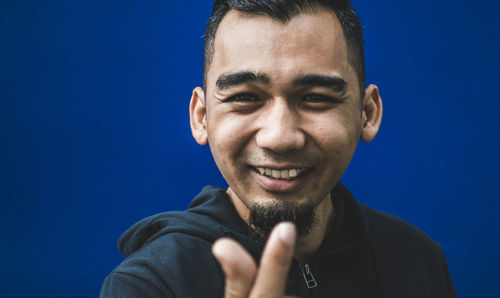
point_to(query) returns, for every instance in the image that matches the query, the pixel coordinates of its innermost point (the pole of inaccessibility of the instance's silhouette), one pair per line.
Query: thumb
(275, 262)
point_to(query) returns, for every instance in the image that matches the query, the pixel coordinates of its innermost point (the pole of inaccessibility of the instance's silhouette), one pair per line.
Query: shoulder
(168, 252)
(384, 230)
(392, 230)
(163, 265)
(406, 257)
(169, 255)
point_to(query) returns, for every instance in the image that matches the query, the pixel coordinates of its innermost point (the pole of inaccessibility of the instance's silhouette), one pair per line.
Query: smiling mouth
(284, 174)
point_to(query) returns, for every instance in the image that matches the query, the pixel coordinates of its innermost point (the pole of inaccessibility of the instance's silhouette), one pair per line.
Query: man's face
(283, 113)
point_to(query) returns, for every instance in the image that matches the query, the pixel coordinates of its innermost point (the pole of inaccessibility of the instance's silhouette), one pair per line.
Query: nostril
(281, 140)
(279, 128)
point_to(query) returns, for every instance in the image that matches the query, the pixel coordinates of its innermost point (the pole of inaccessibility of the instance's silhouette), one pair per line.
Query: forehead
(309, 42)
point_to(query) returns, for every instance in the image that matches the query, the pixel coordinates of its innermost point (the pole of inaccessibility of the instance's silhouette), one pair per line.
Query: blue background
(95, 135)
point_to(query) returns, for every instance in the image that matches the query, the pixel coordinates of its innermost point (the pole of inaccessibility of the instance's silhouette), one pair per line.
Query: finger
(238, 266)
(275, 262)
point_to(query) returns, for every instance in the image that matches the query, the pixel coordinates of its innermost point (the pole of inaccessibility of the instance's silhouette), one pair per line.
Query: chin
(264, 215)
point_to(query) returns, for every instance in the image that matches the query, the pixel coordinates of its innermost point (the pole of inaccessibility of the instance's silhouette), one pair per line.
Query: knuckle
(232, 292)
(279, 258)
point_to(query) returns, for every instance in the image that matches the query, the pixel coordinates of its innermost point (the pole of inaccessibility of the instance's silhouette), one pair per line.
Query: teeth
(288, 174)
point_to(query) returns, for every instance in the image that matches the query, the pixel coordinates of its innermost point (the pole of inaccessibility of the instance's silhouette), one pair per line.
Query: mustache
(297, 158)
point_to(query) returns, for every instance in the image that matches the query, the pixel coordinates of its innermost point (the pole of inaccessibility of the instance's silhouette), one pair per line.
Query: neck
(308, 244)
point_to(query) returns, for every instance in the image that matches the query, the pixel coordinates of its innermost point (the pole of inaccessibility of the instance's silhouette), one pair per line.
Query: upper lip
(279, 166)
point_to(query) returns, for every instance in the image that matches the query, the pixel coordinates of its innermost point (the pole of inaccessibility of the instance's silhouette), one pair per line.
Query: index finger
(238, 266)
(275, 262)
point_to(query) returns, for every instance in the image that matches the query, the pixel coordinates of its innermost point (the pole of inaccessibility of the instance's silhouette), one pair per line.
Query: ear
(371, 113)
(198, 116)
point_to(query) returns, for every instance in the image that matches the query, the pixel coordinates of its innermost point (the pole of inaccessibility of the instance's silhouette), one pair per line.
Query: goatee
(263, 217)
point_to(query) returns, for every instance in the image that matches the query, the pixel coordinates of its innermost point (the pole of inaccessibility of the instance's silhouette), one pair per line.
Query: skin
(276, 123)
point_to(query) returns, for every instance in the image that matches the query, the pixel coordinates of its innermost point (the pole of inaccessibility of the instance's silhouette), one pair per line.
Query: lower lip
(278, 185)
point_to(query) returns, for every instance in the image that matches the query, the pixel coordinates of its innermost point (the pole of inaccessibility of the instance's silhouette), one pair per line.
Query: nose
(279, 129)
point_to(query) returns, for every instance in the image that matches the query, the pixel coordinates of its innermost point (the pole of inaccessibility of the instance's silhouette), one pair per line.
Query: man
(283, 106)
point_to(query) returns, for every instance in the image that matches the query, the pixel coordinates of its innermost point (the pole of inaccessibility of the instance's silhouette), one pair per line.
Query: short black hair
(284, 10)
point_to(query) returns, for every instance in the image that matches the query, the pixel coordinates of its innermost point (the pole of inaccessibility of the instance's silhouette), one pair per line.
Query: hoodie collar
(211, 215)
(347, 231)
(348, 228)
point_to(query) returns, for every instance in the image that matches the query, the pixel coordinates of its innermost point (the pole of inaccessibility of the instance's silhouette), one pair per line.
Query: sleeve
(451, 287)
(126, 285)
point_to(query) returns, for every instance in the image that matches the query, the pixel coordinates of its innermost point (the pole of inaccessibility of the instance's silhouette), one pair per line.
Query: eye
(318, 98)
(243, 98)
(315, 101)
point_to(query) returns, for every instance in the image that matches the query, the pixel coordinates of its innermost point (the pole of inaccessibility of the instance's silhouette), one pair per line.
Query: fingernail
(286, 233)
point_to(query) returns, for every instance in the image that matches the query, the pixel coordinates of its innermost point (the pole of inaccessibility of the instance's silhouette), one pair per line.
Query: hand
(243, 279)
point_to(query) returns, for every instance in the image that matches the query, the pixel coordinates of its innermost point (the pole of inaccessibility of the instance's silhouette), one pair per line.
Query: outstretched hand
(243, 278)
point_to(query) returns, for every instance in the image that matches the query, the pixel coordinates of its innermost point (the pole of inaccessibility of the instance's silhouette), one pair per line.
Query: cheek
(227, 134)
(338, 140)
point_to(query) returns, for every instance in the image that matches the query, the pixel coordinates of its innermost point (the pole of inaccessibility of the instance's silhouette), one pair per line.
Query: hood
(207, 217)
(211, 215)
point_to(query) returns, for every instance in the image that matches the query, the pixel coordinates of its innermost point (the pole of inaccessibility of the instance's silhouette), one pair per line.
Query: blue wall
(95, 136)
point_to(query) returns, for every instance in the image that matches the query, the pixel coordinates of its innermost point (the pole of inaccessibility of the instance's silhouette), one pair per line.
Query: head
(280, 107)
(283, 11)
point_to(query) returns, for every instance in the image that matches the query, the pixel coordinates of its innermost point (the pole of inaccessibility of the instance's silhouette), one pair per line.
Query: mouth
(281, 174)
(280, 179)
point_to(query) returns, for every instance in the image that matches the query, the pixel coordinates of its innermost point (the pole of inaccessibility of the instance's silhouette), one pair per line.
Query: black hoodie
(367, 253)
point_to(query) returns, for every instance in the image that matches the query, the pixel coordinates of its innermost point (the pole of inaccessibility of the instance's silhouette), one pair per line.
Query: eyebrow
(334, 83)
(229, 80)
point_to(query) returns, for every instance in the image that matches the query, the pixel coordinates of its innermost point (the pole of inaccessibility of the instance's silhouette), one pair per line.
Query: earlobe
(371, 114)
(198, 116)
